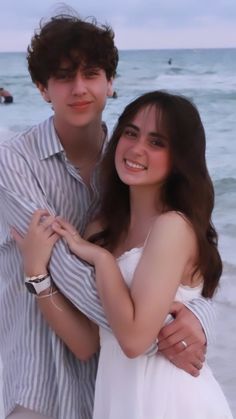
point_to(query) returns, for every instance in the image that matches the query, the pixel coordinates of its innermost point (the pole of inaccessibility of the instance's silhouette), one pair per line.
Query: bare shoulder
(92, 228)
(173, 224)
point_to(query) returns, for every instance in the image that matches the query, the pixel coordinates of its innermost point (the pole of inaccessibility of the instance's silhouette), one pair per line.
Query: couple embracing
(105, 236)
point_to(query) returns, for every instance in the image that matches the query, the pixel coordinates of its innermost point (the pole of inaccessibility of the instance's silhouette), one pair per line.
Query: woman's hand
(37, 245)
(79, 246)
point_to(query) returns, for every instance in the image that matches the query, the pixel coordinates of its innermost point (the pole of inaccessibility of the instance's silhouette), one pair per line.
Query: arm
(73, 327)
(136, 316)
(203, 309)
(193, 322)
(21, 193)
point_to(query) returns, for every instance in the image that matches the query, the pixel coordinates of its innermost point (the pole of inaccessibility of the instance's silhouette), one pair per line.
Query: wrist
(104, 257)
(48, 291)
(35, 271)
(37, 284)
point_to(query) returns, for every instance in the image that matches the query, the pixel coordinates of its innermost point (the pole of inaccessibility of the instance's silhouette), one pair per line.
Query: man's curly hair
(79, 41)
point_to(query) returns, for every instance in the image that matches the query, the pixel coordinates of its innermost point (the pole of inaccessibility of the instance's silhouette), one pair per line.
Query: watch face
(30, 287)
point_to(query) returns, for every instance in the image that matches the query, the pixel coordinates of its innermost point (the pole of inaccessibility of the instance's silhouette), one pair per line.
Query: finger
(201, 357)
(179, 346)
(66, 225)
(19, 239)
(170, 340)
(186, 366)
(47, 222)
(176, 339)
(198, 365)
(36, 217)
(176, 307)
(57, 228)
(192, 353)
(201, 354)
(169, 330)
(173, 350)
(54, 238)
(70, 239)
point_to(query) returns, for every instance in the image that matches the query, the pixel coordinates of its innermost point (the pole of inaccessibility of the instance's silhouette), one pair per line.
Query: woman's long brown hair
(188, 188)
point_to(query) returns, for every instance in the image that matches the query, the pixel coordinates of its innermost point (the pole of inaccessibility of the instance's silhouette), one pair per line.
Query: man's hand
(183, 341)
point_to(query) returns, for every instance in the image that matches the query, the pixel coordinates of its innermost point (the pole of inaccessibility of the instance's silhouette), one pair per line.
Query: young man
(54, 166)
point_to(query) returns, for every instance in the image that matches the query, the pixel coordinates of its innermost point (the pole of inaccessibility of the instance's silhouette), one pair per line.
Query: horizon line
(144, 49)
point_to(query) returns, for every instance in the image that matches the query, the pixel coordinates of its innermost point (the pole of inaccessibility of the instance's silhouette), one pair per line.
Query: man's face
(78, 96)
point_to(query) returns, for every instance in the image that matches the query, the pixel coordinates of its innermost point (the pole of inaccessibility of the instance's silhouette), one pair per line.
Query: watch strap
(38, 284)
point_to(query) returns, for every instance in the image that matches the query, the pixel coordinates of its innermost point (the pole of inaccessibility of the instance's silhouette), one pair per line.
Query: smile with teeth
(134, 165)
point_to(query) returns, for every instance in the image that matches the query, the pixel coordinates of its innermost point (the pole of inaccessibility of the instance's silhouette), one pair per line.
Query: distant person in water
(5, 96)
(170, 61)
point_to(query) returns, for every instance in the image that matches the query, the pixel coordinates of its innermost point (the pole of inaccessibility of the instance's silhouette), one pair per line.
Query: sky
(138, 24)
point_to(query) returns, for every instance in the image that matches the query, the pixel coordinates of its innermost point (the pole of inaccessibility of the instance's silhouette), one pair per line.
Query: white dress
(151, 387)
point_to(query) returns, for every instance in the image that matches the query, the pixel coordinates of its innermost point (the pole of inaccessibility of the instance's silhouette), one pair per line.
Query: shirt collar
(49, 143)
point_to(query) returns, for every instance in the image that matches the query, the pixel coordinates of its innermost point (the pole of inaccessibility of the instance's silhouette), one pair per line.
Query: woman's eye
(157, 143)
(130, 133)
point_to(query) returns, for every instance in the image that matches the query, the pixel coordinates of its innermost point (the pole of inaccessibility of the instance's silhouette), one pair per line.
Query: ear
(44, 92)
(110, 87)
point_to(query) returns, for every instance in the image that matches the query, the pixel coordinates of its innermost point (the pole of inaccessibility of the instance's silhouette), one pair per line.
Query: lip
(134, 165)
(80, 104)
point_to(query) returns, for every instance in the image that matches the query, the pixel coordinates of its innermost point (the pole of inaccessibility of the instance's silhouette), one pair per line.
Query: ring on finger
(185, 345)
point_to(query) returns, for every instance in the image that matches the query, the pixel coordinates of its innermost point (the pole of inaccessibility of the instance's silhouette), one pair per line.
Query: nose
(79, 85)
(138, 146)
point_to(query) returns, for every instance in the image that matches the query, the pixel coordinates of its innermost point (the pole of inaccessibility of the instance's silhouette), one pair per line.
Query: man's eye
(64, 76)
(91, 73)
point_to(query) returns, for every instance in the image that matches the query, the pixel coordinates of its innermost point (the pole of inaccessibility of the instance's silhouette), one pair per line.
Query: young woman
(152, 243)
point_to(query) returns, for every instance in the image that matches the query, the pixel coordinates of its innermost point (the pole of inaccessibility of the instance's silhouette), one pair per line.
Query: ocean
(207, 76)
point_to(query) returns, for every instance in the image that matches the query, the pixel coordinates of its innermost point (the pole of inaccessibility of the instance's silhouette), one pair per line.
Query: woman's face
(142, 154)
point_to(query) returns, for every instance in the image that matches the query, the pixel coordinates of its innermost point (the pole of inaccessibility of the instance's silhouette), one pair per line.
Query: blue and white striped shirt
(39, 372)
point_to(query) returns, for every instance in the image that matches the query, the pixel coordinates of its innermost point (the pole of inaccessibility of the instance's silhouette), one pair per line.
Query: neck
(81, 144)
(144, 208)
(145, 205)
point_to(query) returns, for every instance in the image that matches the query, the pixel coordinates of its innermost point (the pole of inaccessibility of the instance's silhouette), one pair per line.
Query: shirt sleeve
(204, 310)
(20, 196)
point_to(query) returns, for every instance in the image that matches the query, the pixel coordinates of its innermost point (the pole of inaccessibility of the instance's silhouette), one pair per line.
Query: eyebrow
(83, 68)
(153, 134)
(65, 70)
